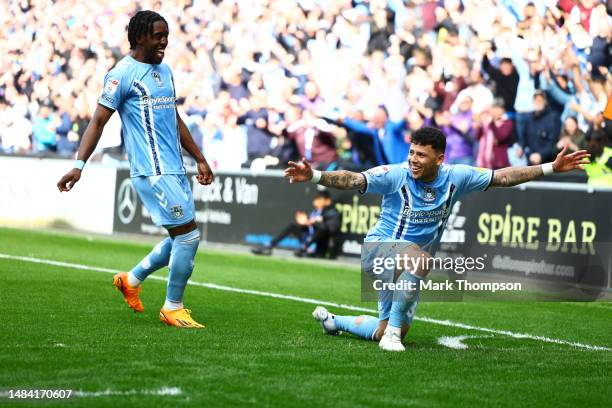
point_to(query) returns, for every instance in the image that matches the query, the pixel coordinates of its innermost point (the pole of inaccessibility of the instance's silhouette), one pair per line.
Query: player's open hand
(572, 161)
(205, 175)
(298, 172)
(69, 180)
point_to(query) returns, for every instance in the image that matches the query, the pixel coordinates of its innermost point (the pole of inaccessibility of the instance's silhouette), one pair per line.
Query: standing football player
(141, 88)
(417, 199)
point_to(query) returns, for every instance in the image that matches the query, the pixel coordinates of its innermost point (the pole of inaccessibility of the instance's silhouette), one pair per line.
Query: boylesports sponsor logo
(426, 216)
(161, 102)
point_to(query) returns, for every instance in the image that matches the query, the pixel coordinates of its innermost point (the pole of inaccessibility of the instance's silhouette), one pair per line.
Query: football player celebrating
(141, 88)
(418, 196)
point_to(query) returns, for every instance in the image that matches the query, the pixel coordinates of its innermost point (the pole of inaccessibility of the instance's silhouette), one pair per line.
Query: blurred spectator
(314, 139)
(67, 138)
(459, 132)
(528, 67)
(15, 131)
(558, 91)
(43, 130)
(386, 136)
(311, 99)
(381, 29)
(362, 149)
(240, 68)
(259, 143)
(447, 90)
(481, 95)
(599, 171)
(505, 78)
(543, 129)
(494, 132)
(571, 137)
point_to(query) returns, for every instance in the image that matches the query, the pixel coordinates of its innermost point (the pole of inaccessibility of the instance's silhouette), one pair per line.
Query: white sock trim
(133, 281)
(170, 305)
(394, 330)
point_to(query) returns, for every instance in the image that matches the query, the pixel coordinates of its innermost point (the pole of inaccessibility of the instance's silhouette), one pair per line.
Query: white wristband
(547, 168)
(79, 164)
(316, 176)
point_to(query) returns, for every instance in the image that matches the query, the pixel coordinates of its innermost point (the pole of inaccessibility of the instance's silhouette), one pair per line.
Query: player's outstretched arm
(298, 172)
(90, 140)
(511, 176)
(205, 175)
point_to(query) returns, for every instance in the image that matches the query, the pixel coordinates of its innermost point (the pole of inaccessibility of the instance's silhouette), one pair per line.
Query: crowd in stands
(340, 82)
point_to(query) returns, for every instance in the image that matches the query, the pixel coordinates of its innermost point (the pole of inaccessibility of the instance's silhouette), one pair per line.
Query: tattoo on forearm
(511, 176)
(343, 180)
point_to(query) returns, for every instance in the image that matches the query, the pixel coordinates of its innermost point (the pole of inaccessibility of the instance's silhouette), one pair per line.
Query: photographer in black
(316, 231)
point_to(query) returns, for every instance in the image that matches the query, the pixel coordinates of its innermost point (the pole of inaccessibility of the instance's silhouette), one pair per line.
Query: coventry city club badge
(177, 211)
(430, 194)
(158, 79)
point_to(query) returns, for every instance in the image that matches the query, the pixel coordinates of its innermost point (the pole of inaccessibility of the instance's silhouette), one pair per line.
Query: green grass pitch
(67, 328)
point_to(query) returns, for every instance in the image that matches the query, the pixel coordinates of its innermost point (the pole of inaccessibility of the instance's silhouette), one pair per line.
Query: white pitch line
(165, 391)
(448, 323)
(456, 342)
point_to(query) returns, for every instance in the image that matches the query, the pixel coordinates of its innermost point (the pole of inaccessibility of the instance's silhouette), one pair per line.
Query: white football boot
(392, 340)
(326, 319)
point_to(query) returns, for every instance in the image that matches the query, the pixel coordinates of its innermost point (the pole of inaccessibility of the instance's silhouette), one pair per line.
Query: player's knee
(425, 266)
(420, 261)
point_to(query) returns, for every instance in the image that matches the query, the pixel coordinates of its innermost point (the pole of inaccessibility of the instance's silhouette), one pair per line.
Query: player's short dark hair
(430, 136)
(142, 23)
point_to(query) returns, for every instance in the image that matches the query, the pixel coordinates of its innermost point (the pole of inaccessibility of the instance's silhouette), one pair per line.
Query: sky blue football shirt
(144, 96)
(416, 211)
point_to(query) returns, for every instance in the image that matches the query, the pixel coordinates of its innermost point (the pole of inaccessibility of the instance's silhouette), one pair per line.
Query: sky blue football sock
(362, 326)
(158, 258)
(183, 252)
(385, 301)
(404, 300)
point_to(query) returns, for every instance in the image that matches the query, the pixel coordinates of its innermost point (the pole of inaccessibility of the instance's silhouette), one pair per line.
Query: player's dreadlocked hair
(142, 23)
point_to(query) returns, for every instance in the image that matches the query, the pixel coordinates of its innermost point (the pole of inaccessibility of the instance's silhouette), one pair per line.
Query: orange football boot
(130, 294)
(179, 318)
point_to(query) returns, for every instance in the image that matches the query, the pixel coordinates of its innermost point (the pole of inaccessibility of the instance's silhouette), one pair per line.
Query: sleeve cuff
(490, 180)
(106, 104)
(365, 189)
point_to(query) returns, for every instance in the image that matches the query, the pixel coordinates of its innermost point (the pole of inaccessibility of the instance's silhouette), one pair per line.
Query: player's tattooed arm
(343, 180)
(511, 176)
(302, 171)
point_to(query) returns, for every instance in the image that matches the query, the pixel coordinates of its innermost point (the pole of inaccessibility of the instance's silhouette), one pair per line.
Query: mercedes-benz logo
(126, 201)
